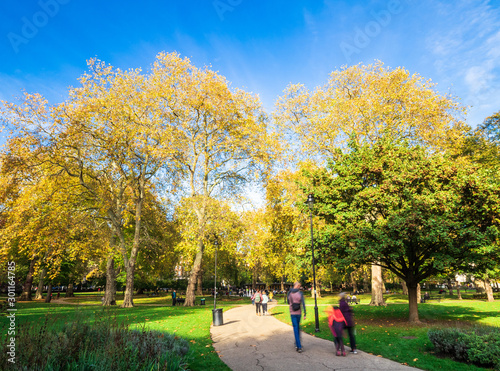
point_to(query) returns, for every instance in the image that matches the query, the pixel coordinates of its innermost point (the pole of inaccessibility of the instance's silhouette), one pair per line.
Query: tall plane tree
(110, 137)
(224, 135)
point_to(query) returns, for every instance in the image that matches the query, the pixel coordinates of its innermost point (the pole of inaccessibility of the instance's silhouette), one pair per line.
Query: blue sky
(258, 45)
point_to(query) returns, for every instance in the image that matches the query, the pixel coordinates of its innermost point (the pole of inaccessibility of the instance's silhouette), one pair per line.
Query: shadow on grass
(433, 313)
(276, 313)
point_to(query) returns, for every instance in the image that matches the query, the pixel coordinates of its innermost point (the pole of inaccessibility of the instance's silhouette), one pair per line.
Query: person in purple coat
(296, 301)
(349, 319)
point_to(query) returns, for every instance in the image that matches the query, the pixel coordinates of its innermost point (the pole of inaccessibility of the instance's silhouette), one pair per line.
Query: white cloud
(467, 54)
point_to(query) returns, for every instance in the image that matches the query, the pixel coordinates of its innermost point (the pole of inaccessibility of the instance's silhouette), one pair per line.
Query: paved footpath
(250, 342)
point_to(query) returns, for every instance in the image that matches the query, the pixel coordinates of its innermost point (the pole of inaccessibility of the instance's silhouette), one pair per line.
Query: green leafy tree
(415, 213)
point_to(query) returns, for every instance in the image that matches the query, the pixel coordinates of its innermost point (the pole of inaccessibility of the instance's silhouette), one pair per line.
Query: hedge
(479, 345)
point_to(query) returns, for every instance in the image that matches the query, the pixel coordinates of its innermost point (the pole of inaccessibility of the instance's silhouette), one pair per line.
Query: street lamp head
(310, 201)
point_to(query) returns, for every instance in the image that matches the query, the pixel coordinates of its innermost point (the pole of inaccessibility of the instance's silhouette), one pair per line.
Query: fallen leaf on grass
(415, 360)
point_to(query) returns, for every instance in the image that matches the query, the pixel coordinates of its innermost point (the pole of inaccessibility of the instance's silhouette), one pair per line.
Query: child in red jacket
(337, 322)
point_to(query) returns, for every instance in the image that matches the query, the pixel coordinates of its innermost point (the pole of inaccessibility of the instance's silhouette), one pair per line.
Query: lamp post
(216, 313)
(216, 242)
(310, 203)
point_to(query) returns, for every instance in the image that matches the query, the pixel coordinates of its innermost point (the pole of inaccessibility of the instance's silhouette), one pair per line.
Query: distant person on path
(174, 298)
(258, 302)
(265, 300)
(295, 299)
(337, 323)
(349, 320)
(271, 294)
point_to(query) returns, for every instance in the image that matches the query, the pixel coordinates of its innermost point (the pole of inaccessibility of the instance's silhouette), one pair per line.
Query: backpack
(257, 298)
(295, 306)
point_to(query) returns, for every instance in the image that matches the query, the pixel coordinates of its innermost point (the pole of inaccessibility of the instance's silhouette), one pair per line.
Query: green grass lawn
(155, 313)
(384, 331)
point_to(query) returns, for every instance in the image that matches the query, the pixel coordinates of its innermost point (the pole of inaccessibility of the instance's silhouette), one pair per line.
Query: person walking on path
(258, 302)
(295, 299)
(265, 300)
(337, 322)
(174, 298)
(349, 320)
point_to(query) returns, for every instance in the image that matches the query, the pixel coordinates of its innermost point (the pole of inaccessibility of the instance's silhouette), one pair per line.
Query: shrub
(104, 345)
(480, 345)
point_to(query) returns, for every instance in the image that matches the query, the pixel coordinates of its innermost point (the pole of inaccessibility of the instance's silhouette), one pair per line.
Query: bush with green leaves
(479, 345)
(105, 344)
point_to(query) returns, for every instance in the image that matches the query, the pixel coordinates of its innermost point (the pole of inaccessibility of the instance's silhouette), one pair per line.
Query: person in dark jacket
(174, 298)
(295, 301)
(349, 320)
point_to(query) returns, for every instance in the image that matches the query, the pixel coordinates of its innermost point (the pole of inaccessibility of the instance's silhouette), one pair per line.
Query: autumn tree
(111, 137)
(224, 135)
(44, 220)
(370, 101)
(284, 220)
(415, 213)
(223, 231)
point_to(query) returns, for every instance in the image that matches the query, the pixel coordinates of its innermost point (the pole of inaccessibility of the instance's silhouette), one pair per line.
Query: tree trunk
(353, 282)
(199, 283)
(450, 287)
(413, 302)
(366, 279)
(405, 288)
(488, 289)
(128, 295)
(110, 293)
(479, 285)
(283, 283)
(190, 292)
(254, 279)
(140, 291)
(49, 294)
(129, 263)
(26, 295)
(377, 296)
(419, 294)
(69, 291)
(39, 290)
(459, 294)
(318, 290)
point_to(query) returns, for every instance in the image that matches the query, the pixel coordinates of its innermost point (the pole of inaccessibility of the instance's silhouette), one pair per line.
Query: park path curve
(247, 342)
